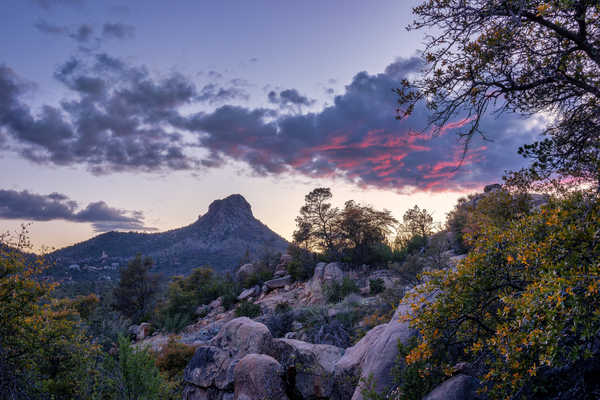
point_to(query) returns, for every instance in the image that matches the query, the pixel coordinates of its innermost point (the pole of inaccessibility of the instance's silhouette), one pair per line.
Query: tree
(137, 288)
(523, 306)
(416, 223)
(524, 56)
(363, 230)
(44, 352)
(316, 222)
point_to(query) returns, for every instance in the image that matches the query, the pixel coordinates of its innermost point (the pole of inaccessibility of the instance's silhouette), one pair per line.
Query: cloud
(213, 93)
(118, 31)
(48, 28)
(57, 206)
(82, 34)
(289, 97)
(125, 119)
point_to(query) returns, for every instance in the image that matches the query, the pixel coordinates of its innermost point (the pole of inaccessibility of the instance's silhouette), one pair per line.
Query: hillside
(220, 238)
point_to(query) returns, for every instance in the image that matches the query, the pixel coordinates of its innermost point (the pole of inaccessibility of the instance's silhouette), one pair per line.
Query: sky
(136, 115)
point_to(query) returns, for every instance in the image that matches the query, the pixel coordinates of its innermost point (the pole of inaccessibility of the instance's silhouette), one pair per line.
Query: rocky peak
(231, 207)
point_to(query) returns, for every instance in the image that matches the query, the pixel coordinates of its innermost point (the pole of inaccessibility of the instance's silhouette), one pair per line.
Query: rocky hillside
(220, 238)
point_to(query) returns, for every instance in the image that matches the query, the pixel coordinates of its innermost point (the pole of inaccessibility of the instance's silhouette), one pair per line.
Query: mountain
(220, 238)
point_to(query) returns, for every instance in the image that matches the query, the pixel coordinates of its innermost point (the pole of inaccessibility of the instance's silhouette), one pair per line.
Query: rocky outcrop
(324, 274)
(245, 271)
(258, 376)
(308, 367)
(211, 370)
(459, 387)
(278, 282)
(347, 369)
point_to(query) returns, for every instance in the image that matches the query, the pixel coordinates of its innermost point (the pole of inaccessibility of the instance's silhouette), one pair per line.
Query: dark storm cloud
(57, 206)
(118, 31)
(116, 124)
(124, 119)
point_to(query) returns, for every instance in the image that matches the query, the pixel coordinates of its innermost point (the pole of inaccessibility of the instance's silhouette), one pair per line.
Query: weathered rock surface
(279, 282)
(459, 387)
(324, 274)
(212, 367)
(245, 271)
(250, 292)
(258, 376)
(382, 352)
(309, 366)
(348, 368)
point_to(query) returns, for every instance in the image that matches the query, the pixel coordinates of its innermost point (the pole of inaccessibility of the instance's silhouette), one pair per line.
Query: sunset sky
(135, 115)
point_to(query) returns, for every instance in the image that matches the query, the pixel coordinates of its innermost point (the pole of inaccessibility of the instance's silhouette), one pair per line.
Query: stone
(492, 188)
(279, 282)
(251, 292)
(459, 387)
(380, 357)
(212, 366)
(245, 271)
(324, 274)
(144, 330)
(348, 368)
(310, 366)
(258, 376)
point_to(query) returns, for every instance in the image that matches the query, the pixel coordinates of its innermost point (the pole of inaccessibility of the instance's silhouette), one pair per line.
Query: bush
(173, 358)
(525, 299)
(279, 323)
(376, 286)
(336, 292)
(248, 309)
(302, 265)
(184, 295)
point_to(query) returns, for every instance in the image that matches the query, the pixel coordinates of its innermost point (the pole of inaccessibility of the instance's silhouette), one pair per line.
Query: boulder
(258, 376)
(144, 330)
(348, 368)
(324, 274)
(459, 387)
(212, 366)
(279, 282)
(245, 271)
(251, 292)
(381, 354)
(309, 366)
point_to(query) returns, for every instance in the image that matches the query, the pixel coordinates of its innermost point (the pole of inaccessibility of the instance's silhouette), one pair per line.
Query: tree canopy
(524, 56)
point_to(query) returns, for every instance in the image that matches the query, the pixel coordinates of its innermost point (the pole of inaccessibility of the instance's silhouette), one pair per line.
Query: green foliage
(136, 290)
(376, 286)
(172, 360)
(412, 383)
(524, 299)
(44, 351)
(248, 309)
(185, 294)
(302, 265)
(336, 291)
(283, 307)
(138, 376)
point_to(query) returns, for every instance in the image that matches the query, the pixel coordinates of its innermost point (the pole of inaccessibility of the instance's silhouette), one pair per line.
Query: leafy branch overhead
(524, 56)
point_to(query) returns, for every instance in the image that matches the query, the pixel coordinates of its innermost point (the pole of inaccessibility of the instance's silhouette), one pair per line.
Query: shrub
(173, 358)
(137, 289)
(376, 286)
(302, 265)
(184, 295)
(248, 309)
(282, 307)
(336, 292)
(279, 323)
(525, 299)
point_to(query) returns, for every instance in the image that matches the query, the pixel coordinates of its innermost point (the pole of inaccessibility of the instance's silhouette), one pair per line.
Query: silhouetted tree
(316, 223)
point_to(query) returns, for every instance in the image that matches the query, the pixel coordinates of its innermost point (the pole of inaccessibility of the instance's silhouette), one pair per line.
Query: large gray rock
(279, 282)
(347, 369)
(382, 353)
(212, 366)
(459, 387)
(245, 271)
(310, 366)
(324, 274)
(250, 292)
(258, 376)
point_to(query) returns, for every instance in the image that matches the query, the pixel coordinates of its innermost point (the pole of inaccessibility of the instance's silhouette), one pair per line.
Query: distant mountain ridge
(220, 238)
